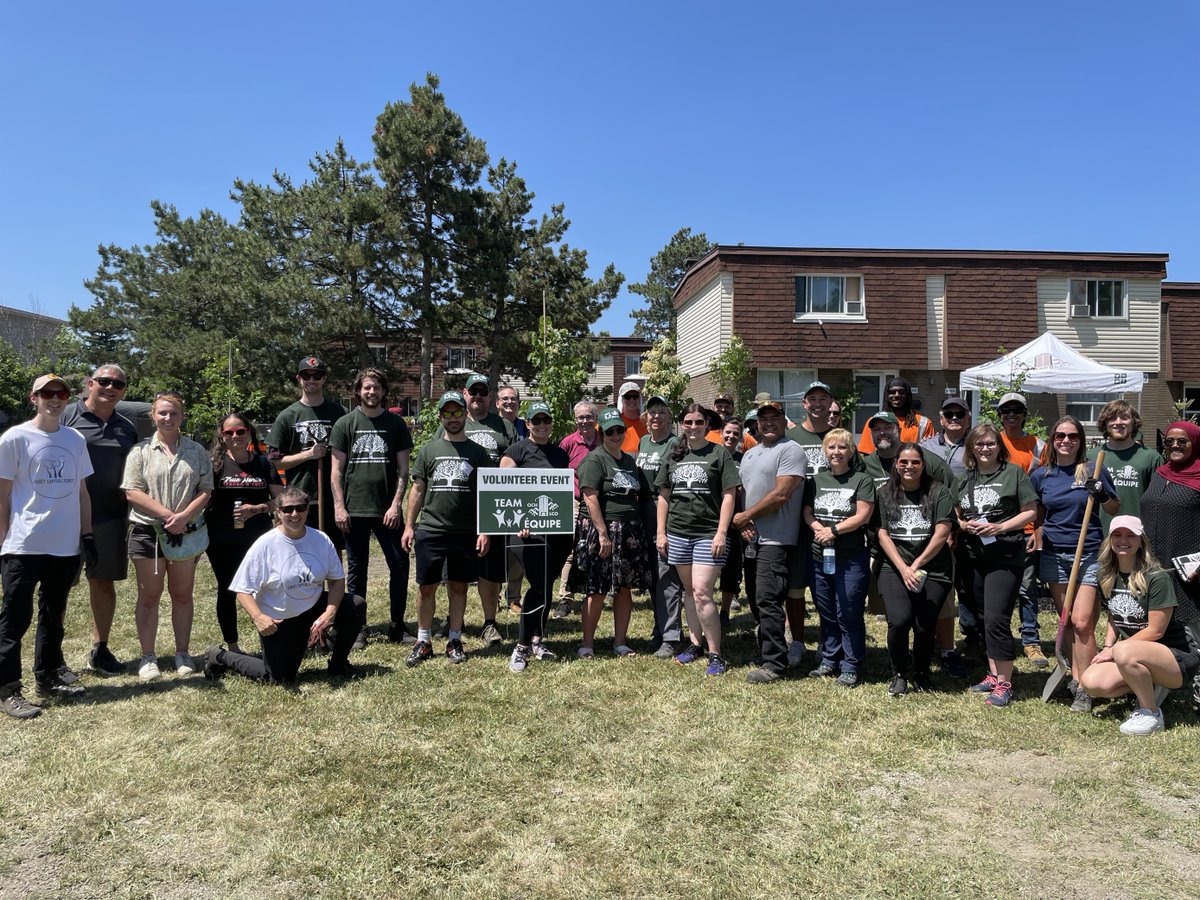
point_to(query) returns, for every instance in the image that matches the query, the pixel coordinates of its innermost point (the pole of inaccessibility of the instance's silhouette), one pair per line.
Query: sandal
(584, 653)
(624, 650)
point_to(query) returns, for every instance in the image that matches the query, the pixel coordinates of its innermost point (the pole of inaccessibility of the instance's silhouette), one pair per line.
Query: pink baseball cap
(1129, 523)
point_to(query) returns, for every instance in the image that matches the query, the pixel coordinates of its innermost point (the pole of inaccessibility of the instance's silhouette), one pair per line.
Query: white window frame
(861, 413)
(843, 316)
(772, 381)
(458, 370)
(1094, 303)
(1096, 402)
(636, 359)
(1192, 389)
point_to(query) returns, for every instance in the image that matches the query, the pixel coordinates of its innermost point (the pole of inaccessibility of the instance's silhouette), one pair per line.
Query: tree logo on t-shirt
(484, 439)
(312, 432)
(625, 482)
(987, 500)
(1126, 611)
(690, 474)
(911, 525)
(816, 459)
(454, 474)
(369, 445)
(832, 502)
(52, 471)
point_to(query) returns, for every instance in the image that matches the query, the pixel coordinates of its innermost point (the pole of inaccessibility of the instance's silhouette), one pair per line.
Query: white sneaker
(519, 659)
(184, 664)
(796, 653)
(1142, 721)
(148, 668)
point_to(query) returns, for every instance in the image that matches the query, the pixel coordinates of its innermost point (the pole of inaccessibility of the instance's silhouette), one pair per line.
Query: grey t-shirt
(760, 467)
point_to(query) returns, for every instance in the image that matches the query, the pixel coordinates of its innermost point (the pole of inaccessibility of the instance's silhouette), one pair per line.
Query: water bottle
(829, 561)
(751, 550)
(237, 523)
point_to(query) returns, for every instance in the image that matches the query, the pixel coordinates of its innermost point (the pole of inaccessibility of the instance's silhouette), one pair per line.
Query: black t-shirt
(250, 483)
(108, 443)
(530, 455)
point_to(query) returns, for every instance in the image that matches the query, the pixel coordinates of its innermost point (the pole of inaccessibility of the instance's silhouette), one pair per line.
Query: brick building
(855, 317)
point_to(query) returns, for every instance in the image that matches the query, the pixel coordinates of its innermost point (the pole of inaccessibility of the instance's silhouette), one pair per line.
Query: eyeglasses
(585, 418)
(1066, 436)
(104, 381)
(54, 394)
(479, 391)
(452, 413)
(1176, 442)
(985, 445)
(235, 432)
(540, 420)
(615, 430)
(291, 510)
(1012, 411)
(953, 415)
(312, 376)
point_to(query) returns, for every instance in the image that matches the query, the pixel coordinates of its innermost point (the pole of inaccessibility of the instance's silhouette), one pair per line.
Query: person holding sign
(613, 554)
(441, 525)
(545, 555)
(1147, 645)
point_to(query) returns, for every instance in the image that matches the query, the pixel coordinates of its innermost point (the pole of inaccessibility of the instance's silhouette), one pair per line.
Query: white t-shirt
(287, 576)
(46, 469)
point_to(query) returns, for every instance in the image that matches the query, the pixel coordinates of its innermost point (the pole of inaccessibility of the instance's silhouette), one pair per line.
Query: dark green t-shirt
(1130, 614)
(997, 498)
(450, 472)
(371, 472)
(812, 447)
(911, 531)
(652, 453)
(298, 428)
(1130, 470)
(493, 433)
(620, 484)
(834, 499)
(697, 483)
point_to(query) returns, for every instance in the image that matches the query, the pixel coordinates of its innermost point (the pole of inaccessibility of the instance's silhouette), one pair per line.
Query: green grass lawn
(610, 777)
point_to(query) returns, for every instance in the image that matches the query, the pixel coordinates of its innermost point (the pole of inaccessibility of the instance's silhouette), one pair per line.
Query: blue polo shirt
(1064, 503)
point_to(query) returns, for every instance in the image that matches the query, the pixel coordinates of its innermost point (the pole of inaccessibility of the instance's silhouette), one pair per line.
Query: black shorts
(455, 553)
(143, 542)
(1189, 664)
(493, 566)
(112, 545)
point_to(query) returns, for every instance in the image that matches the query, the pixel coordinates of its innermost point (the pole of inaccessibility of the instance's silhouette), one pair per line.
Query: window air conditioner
(1080, 311)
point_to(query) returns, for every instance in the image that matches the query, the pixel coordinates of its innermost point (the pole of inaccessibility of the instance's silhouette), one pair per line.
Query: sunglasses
(540, 420)
(54, 394)
(694, 423)
(1066, 436)
(1176, 442)
(616, 429)
(312, 376)
(953, 415)
(985, 445)
(104, 381)
(291, 510)
(1012, 411)
(479, 391)
(452, 414)
(235, 432)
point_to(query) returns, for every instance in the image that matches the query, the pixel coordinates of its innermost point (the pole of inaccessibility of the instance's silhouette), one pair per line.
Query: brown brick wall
(1183, 301)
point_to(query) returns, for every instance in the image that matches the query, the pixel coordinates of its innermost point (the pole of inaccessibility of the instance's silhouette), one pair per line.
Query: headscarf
(1187, 472)
(910, 416)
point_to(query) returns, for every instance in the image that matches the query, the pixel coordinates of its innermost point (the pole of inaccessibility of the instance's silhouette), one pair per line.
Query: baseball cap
(310, 364)
(762, 401)
(657, 398)
(818, 386)
(629, 386)
(751, 416)
(42, 380)
(1012, 398)
(723, 395)
(451, 397)
(609, 418)
(539, 407)
(884, 417)
(1130, 523)
(955, 401)
(478, 379)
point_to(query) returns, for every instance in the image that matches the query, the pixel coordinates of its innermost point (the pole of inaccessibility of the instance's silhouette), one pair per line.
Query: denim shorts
(1055, 566)
(690, 551)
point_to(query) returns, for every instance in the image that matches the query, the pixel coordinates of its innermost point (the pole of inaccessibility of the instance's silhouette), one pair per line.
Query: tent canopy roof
(1051, 367)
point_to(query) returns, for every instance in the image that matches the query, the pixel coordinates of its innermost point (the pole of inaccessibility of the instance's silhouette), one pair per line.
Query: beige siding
(603, 376)
(1131, 343)
(935, 319)
(705, 324)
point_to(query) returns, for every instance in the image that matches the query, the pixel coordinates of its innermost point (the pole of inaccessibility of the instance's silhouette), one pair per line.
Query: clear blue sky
(1062, 126)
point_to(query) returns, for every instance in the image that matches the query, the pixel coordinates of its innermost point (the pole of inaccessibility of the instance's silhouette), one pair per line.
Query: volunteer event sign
(514, 499)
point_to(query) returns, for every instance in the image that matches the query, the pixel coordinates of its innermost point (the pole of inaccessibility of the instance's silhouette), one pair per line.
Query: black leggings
(225, 559)
(915, 612)
(542, 566)
(997, 585)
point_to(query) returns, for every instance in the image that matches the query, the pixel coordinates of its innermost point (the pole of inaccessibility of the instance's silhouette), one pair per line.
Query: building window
(460, 359)
(633, 365)
(830, 297)
(869, 387)
(787, 385)
(1097, 298)
(1086, 407)
(1191, 393)
(379, 356)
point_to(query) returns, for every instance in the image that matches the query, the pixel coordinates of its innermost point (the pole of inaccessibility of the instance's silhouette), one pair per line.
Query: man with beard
(370, 475)
(898, 400)
(299, 441)
(443, 498)
(508, 402)
(109, 436)
(772, 474)
(1128, 463)
(495, 434)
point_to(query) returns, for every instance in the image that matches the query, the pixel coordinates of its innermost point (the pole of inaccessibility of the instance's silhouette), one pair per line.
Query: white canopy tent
(1051, 367)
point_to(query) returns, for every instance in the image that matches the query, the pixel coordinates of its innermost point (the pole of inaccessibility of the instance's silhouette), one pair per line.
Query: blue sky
(1062, 126)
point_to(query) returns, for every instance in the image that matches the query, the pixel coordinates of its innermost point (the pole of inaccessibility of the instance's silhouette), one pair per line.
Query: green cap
(539, 407)
(478, 379)
(451, 397)
(818, 386)
(609, 418)
(886, 417)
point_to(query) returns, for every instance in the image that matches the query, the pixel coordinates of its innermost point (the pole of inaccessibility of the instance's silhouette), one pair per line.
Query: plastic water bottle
(829, 561)
(751, 549)
(237, 523)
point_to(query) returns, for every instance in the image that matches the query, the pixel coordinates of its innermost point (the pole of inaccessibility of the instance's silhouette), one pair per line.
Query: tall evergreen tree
(667, 268)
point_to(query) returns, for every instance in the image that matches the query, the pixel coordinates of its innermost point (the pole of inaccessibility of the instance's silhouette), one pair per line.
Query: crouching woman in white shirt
(292, 586)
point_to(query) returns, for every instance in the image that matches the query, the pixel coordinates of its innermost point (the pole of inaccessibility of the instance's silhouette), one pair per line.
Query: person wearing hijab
(898, 400)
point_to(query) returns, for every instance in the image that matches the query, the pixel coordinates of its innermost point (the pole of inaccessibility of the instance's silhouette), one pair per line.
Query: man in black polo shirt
(109, 436)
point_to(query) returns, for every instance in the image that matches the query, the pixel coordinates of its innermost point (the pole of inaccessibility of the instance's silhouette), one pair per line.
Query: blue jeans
(1027, 602)
(358, 556)
(841, 600)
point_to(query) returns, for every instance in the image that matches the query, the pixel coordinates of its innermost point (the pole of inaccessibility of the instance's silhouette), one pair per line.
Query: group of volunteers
(912, 520)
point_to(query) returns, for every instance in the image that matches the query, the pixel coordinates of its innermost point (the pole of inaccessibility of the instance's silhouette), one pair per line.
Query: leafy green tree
(15, 380)
(732, 370)
(664, 377)
(430, 165)
(990, 394)
(667, 268)
(561, 376)
(222, 391)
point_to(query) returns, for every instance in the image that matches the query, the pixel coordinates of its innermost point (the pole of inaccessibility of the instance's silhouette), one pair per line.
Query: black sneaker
(56, 687)
(342, 669)
(898, 687)
(360, 642)
(66, 675)
(212, 666)
(954, 665)
(849, 680)
(562, 610)
(824, 670)
(922, 683)
(421, 651)
(14, 703)
(102, 662)
(762, 675)
(455, 652)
